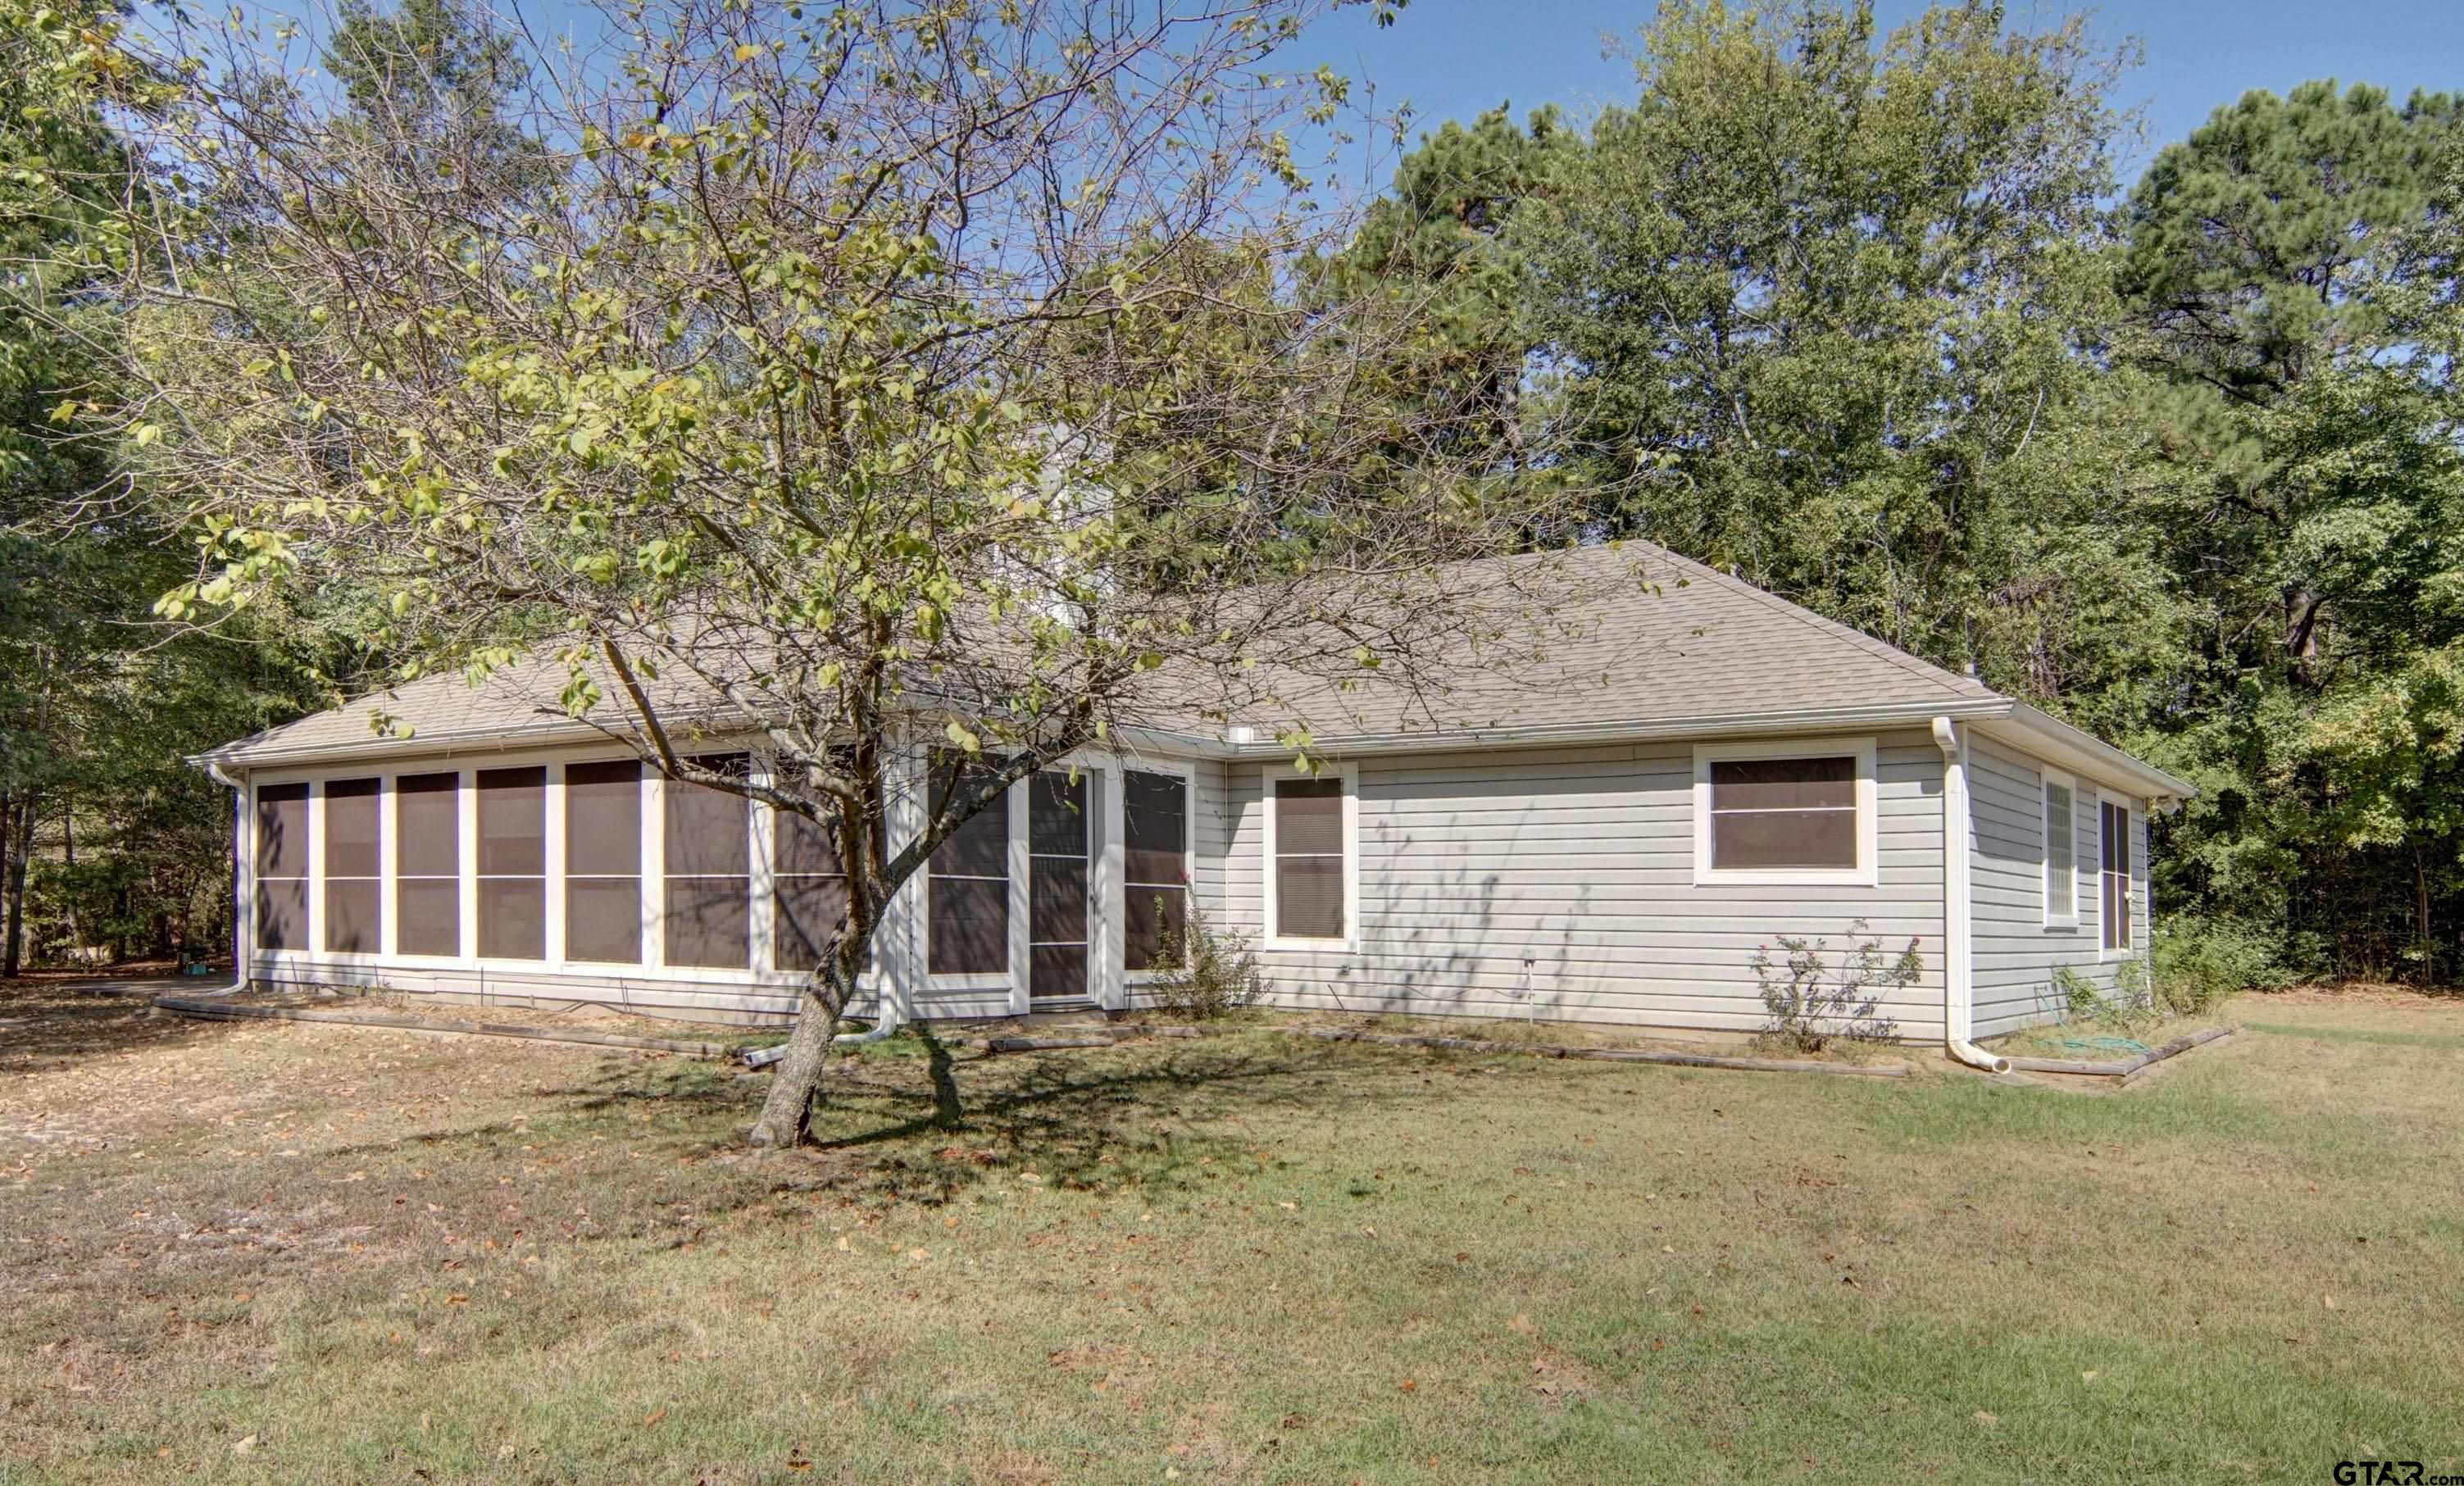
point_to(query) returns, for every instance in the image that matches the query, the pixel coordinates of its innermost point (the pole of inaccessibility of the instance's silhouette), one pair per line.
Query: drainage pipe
(1958, 907)
(883, 1025)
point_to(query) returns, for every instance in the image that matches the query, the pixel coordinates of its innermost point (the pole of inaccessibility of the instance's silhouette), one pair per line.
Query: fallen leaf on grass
(653, 1417)
(1408, 1385)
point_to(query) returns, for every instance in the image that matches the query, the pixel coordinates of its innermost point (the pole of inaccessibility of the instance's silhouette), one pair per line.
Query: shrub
(1208, 973)
(2128, 1009)
(1810, 1000)
(2199, 962)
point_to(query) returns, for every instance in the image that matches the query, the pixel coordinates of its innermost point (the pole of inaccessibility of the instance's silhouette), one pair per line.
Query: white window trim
(2107, 954)
(1867, 872)
(371, 967)
(2065, 923)
(1006, 980)
(1274, 938)
(1187, 774)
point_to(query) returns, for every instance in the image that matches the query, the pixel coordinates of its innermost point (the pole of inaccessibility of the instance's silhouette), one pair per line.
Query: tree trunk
(8, 854)
(68, 864)
(2421, 915)
(12, 960)
(796, 1080)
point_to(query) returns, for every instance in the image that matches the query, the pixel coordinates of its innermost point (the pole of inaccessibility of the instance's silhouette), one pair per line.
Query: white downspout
(894, 962)
(1958, 907)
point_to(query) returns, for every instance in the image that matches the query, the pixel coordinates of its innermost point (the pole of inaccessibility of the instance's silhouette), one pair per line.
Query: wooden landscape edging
(227, 1010)
(2124, 1069)
(1620, 1055)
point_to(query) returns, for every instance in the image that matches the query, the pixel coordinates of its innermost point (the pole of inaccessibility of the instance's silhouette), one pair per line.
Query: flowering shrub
(1811, 1000)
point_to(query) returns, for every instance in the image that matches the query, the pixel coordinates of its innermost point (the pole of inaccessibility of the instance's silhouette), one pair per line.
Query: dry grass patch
(296, 1253)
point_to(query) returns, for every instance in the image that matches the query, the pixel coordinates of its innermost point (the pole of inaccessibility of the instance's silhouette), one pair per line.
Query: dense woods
(1866, 317)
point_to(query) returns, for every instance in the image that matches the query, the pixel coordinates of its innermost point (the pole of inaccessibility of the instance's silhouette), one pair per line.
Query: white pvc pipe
(1959, 964)
(886, 1023)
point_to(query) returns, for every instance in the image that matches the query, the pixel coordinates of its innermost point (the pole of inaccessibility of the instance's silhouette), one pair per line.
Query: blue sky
(1452, 59)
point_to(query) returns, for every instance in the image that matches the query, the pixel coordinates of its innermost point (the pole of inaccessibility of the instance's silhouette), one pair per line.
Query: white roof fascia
(2049, 738)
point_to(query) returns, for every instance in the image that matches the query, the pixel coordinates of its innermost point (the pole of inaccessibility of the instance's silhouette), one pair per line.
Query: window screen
(1784, 812)
(428, 864)
(967, 888)
(810, 888)
(710, 870)
(354, 866)
(1056, 899)
(2115, 874)
(2061, 853)
(1308, 858)
(512, 864)
(603, 862)
(1155, 824)
(282, 867)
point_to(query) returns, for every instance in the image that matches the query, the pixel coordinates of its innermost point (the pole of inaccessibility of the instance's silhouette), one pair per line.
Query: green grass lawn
(286, 1252)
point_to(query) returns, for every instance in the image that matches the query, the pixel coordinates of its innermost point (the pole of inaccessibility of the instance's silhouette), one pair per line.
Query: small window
(603, 862)
(2115, 831)
(512, 864)
(1311, 864)
(1785, 812)
(967, 888)
(1155, 822)
(428, 864)
(354, 868)
(282, 867)
(709, 870)
(2061, 853)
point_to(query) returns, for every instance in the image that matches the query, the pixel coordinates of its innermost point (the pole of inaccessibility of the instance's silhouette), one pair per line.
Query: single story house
(1736, 769)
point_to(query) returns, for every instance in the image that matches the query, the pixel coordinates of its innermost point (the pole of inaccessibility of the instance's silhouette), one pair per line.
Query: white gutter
(1958, 907)
(1244, 742)
(1237, 742)
(2084, 754)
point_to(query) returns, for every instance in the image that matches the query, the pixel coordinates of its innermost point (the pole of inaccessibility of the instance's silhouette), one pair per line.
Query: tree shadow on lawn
(898, 1127)
(48, 1022)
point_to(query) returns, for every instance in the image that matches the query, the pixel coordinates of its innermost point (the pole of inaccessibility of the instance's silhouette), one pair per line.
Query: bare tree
(849, 381)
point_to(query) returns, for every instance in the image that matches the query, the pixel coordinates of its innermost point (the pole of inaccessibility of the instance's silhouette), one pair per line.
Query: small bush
(1208, 973)
(1810, 1001)
(2199, 962)
(2128, 1009)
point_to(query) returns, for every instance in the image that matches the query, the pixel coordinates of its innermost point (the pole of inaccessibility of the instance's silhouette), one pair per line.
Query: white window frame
(2130, 948)
(1010, 979)
(761, 980)
(1866, 873)
(2067, 923)
(1275, 939)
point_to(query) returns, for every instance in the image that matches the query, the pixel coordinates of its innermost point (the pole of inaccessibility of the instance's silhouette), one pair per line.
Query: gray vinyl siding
(2016, 952)
(1580, 861)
